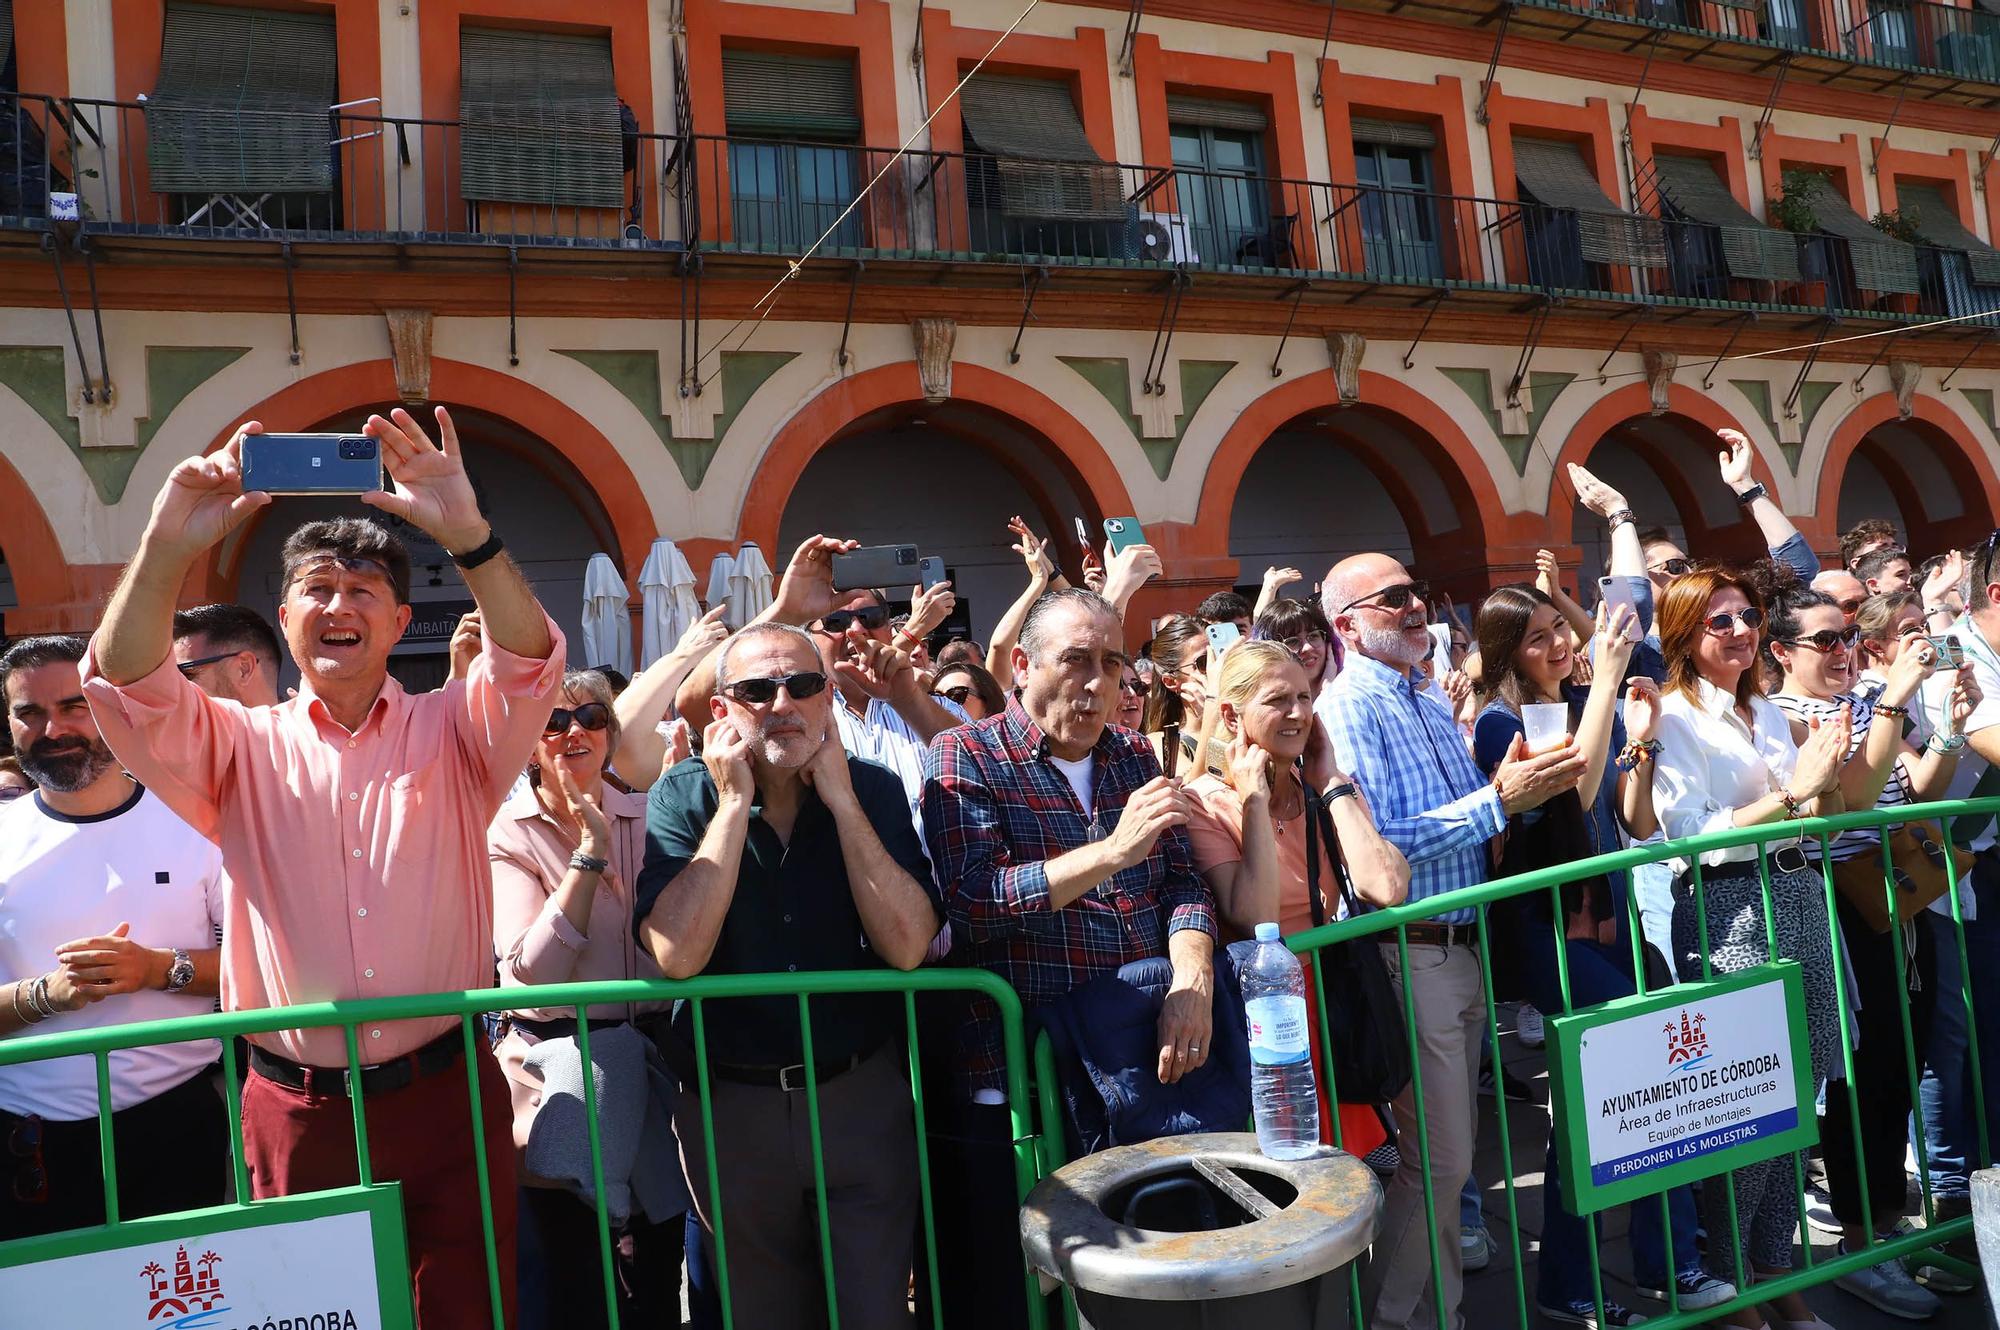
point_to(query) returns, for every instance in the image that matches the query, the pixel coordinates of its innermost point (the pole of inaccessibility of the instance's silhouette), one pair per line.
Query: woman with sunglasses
(1173, 714)
(566, 853)
(1819, 655)
(1527, 651)
(1247, 828)
(971, 689)
(1728, 759)
(1131, 709)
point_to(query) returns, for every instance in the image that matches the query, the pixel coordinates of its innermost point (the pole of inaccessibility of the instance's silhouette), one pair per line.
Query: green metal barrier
(1392, 924)
(1036, 1153)
(467, 1006)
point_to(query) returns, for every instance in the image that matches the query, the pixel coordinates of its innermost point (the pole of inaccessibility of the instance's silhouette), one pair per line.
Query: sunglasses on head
(836, 623)
(1826, 639)
(1673, 567)
(1751, 618)
(758, 692)
(1394, 597)
(591, 716)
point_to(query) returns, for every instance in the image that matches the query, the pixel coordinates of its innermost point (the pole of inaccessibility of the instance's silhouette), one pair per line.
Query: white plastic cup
(1546, 724)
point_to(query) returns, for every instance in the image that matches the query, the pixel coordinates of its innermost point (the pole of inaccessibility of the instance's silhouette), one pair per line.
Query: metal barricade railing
(699, 992)
(1392, 925)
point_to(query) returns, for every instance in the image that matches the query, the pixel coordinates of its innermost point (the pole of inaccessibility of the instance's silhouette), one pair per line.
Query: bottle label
(1277, 1028)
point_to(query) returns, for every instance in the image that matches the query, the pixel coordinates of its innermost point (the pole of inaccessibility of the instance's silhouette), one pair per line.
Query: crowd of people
(819, 790)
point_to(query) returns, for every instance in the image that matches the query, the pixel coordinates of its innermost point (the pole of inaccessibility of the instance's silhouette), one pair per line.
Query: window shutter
(1391, 133)
(790, 96)
(1216, 113)
(1880, 264)
(539, 119)
(7, 36)
(1044, 162)
(1555, 175)
(243, 102)
(1749, 248)
(1939, 225)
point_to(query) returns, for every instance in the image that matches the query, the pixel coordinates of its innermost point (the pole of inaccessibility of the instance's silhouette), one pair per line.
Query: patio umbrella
(749, 585)
(607, 626)
(718, 586)
(666, 589)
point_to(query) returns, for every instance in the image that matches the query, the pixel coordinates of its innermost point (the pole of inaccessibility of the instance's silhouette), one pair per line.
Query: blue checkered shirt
(1404, 750)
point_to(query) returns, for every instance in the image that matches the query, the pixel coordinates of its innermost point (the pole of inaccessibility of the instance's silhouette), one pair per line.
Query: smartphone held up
(311, 464)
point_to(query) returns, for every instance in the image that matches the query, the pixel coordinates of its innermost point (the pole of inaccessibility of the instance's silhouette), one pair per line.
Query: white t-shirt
(1080, 775)
(65, 878)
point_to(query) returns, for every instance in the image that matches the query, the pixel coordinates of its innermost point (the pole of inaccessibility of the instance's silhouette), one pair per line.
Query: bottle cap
(1268, 933)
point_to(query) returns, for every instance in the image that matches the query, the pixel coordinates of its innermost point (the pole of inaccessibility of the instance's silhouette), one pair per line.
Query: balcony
(1938, 52)
(395, 190)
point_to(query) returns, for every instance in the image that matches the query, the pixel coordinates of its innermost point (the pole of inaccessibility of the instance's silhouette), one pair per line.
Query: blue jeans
(1945, 1099)
(1597, 974)
(1653, 889)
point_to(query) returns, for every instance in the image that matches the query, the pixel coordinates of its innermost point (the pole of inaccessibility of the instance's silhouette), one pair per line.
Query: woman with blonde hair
(1249, 830)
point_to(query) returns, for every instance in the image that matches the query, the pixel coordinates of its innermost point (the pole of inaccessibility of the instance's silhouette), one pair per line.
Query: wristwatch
(584, 863)
(481, 553)
(181, 973)
(1751, 495)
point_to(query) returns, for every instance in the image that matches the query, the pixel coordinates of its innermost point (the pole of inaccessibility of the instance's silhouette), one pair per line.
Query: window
(1785, 22)
(1574, 230)
(1034, 185)
(1892, 34)
(540, 125)
(1712, 238)
(1225, 198)
(239, 127)
(792, 123)
(1399, 210)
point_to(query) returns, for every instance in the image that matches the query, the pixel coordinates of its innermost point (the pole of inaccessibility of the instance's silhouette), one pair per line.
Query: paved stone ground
(1491, 1302)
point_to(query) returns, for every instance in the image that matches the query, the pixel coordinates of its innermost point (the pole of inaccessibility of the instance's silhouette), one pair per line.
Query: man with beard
(1404, 750)
(228, 651)
(777, 852)
(111, 905)
(1060, 850)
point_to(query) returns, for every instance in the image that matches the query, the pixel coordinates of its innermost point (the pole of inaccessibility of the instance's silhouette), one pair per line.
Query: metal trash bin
(1203, 1231)
(1986, 1229)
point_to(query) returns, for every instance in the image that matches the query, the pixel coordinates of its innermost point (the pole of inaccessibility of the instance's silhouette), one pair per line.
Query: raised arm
(1780, 536)
(1593, 729)
(1000, 655)
(1275, 579)
(1548, 578)
(1126, 571)
(805, 592)
(642, 752)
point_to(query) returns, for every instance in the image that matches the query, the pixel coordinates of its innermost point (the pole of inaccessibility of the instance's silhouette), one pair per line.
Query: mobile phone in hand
(1616, 591)
(1123, 533)
(311, 464)
(1221, 637)
(930, 571)
(874, 567)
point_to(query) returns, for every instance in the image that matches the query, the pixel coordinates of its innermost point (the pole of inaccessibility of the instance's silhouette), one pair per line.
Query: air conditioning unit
(1163, 237)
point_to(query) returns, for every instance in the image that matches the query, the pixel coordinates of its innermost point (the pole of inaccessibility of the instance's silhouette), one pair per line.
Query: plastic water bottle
(1282, 1092)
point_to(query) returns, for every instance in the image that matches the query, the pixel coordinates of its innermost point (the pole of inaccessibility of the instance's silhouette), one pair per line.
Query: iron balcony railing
(402, 181)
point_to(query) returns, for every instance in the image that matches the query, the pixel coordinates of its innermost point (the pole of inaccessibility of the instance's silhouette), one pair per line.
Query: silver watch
(181, 973)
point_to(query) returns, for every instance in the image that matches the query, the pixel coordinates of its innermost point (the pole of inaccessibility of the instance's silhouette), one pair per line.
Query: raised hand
(1944, 579)
(1033, 551)
(876, 670)
(203, 500)
(1734, 461)
(1616, 635)
(1593, 493)
(703, 635)
(1249, 768)
(1128, 570)
(1275, 578)
(1546, 572)
(1966, 695)
(806, 591)
(1321, 770)
(930, 608)
(467, 642)
(726, 754)
(1155, 807)
(432, 490)
(1642, 708)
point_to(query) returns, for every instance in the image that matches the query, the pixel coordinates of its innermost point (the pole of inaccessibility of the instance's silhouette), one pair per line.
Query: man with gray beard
(1405, 752)
(109, 906)
(776, 852)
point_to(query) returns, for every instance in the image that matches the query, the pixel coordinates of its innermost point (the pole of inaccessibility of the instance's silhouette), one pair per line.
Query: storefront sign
(432, 622)
(326, 1261)
(1652, 1092)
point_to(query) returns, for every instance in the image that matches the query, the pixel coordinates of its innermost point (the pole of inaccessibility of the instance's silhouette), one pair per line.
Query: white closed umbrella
(666, 591)
(607, 626)
(718, 586)
(749, 585)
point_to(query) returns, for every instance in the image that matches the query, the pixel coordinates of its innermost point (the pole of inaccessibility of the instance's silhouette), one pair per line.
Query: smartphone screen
(1123, 533)
(1615, 591)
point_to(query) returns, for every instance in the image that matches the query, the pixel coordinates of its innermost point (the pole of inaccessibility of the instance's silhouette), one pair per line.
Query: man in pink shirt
(352, 821)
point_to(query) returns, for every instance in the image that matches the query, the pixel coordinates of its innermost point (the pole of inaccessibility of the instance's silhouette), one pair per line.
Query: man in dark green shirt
(776, 852)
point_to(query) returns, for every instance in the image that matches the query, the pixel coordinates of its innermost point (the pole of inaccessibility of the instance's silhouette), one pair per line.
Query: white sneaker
(1819, 1210)
(1528, 1026)
(1475, 1249)
(1698, 1290)
(1888, 1288)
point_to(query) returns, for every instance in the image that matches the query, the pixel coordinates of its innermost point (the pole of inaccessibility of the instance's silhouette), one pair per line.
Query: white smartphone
(1615, 591)
(1221, 637)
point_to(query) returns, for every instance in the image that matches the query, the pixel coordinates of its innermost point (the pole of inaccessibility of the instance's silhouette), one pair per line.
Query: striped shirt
(1405, 751)
(1861, 706)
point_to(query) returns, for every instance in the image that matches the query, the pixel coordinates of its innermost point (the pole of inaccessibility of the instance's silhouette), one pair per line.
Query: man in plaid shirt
(1059, 851)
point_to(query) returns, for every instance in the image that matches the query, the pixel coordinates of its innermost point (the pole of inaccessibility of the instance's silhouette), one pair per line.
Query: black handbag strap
(1319, 823)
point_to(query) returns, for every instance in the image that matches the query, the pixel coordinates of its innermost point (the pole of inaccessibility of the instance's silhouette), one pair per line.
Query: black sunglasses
(958, 693)
(1826, 639)
(188, 667)
(591, 715)
(1393, 597)
(758, 692)
(836, 623)
(1674, 567)
(1753, 619)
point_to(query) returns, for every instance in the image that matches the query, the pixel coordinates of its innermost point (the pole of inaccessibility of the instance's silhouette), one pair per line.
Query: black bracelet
(1344, 790)
(472, 558)
(1751, 495)
(584, 863)
(1619, 517)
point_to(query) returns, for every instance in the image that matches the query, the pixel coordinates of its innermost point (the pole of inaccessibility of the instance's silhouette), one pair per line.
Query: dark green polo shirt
(793, 911)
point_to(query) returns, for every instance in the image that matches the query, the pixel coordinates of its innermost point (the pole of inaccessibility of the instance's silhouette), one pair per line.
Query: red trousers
(421, 1137)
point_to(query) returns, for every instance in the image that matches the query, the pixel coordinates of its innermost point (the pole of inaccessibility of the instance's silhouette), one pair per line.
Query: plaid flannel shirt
(995, 808)
(1404, 750)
